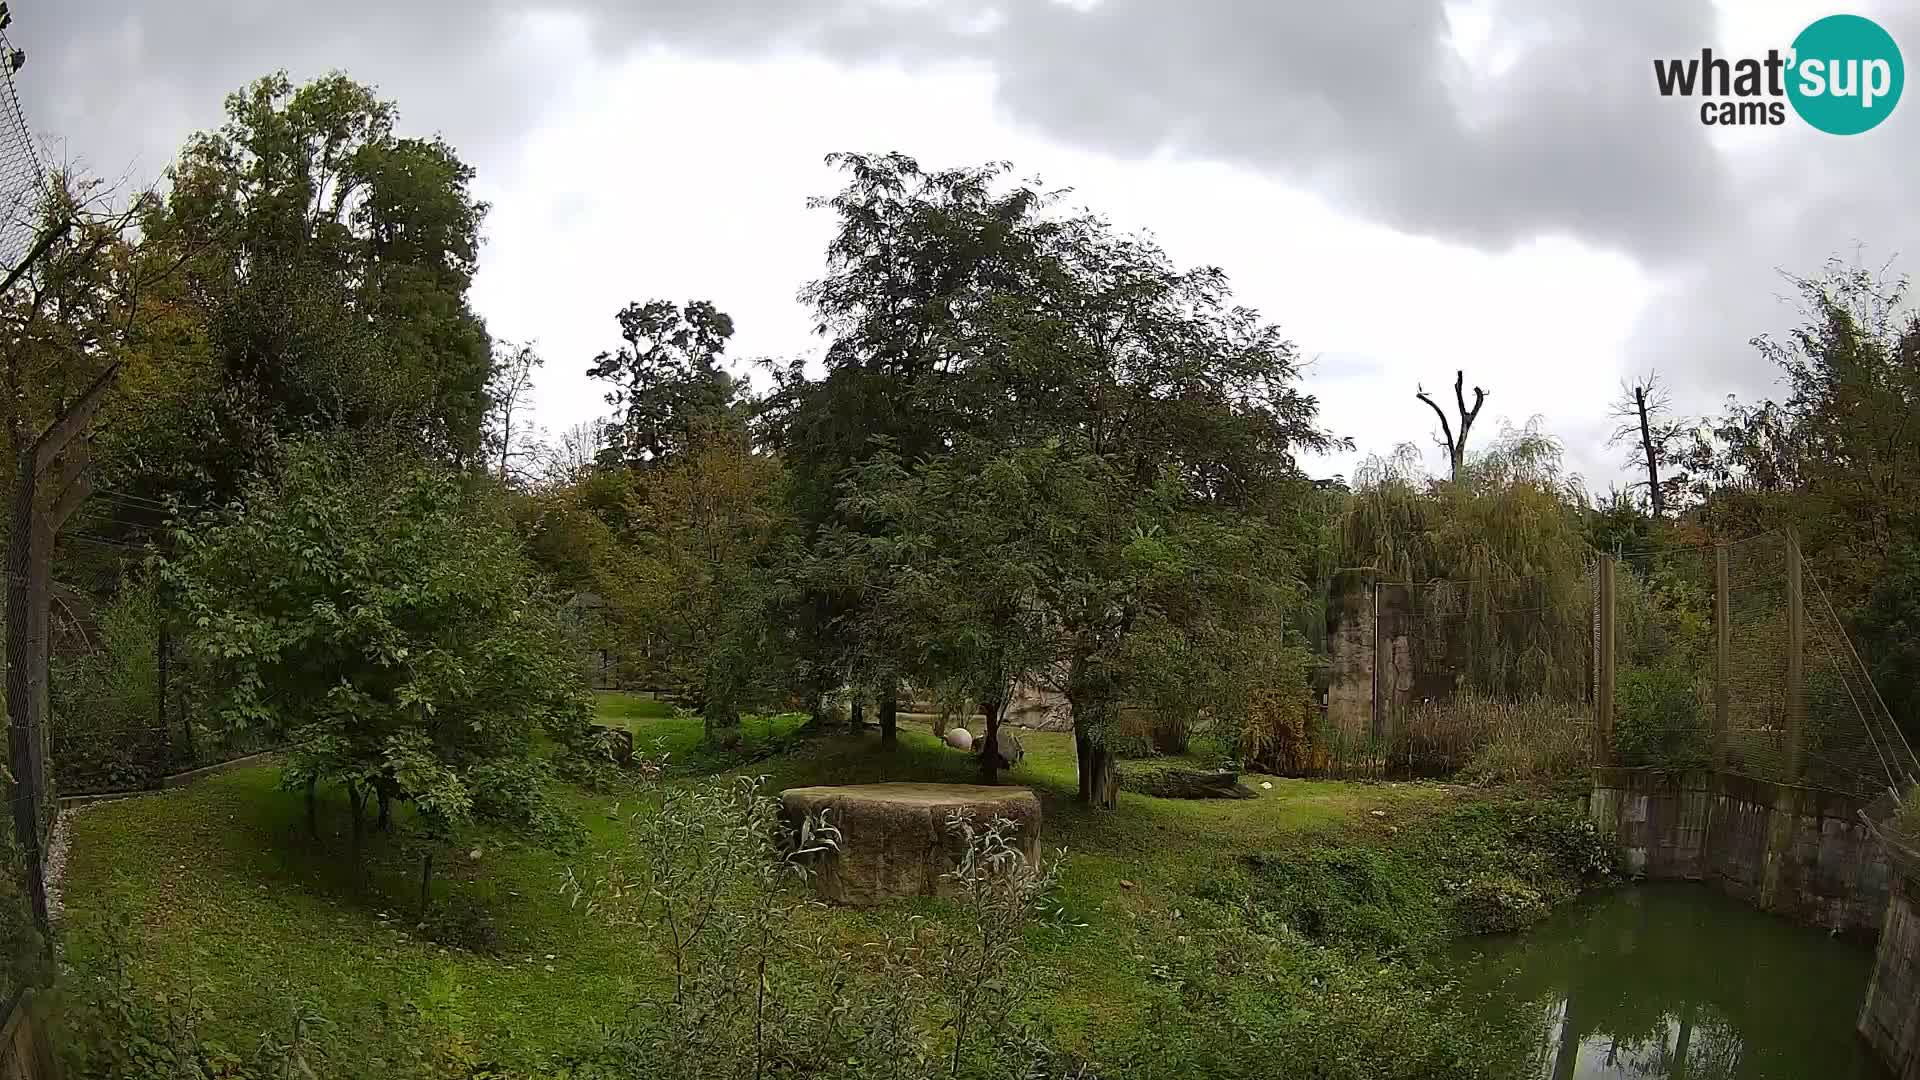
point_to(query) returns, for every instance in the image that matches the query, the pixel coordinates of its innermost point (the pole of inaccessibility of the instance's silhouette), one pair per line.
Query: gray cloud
(1366, 104)
(1807, 198)
(1358, 101)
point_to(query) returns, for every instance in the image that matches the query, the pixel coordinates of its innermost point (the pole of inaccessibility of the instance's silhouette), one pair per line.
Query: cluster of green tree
(1037, 447)
(289, 469)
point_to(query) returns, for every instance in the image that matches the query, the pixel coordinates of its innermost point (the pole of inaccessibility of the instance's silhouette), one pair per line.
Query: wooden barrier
(24, 1051)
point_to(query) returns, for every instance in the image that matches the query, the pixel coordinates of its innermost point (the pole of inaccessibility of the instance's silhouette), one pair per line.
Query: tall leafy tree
(963, 311)
(330, 264)
(377, 612)
(951, 557)
(667, 379)
(686, 575)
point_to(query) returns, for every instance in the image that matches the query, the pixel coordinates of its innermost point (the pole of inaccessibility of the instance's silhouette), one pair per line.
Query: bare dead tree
(510, 394)
(1644, 411)
(1456, 446)
(570, 459)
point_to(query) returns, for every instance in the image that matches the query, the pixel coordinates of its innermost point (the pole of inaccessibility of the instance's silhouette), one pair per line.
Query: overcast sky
(1405, 186)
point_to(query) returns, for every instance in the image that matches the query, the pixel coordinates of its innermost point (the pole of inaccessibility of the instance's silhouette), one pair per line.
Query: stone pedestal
(896, 842)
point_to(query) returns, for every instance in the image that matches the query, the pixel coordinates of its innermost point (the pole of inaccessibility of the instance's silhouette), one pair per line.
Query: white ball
(960, 738)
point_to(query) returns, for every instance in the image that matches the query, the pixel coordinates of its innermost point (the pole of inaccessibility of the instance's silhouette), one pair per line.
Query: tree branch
(62, 431)
(1446, 429)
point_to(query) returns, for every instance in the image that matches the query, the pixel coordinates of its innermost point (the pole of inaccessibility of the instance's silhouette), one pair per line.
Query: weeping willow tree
(1496, 560)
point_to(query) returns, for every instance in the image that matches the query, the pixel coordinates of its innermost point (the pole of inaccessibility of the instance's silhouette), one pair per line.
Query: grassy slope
(224, 889)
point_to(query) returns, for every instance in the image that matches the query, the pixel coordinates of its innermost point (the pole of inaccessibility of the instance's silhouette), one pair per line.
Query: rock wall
(1039, 706)
(1794, 851)
(1890, 1017)
(1350, 674)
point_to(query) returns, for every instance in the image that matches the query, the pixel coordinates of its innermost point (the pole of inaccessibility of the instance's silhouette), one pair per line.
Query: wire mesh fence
(1729, 656)
(126, 702)
(1663, 657)
(1713, 655)
(25, 958)
(23, 181)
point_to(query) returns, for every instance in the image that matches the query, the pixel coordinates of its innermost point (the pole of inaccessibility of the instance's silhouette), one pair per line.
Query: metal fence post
(1796, 667)
(1604, 668)
(1374, 721)
(1722, 652)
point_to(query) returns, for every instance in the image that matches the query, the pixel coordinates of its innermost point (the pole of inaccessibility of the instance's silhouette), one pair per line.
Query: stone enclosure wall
(1890, 1017)
(1795, 851)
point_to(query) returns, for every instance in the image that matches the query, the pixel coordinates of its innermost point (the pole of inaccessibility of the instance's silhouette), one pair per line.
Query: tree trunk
(1658, 497)
(386, 808)
(723, 728)
(889, 714)
(1099, 774)
(857, 715)
(426, 882)
(990, 747)
(357, 805)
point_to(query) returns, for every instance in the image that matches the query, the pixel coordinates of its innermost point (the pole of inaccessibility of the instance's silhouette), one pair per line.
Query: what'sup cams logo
(1843, 75)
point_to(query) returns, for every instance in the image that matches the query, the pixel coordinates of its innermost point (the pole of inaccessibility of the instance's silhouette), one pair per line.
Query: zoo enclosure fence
(1725, 654)
(1732, 656)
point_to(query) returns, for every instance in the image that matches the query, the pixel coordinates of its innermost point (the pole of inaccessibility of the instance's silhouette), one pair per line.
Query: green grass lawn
(222, 889)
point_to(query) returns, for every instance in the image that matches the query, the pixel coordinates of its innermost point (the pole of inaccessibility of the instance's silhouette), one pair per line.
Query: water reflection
(1677, 981)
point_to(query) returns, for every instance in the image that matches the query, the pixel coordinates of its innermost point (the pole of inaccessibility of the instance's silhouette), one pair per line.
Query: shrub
(1363, 898)
(1535, 739)
(1554, 756)
(112, 1029)
(714, 878)
(1658, 720)
(106, 704)
(1476, 868)
(1497, 903)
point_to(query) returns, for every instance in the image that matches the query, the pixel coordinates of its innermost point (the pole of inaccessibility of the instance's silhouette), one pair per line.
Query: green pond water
(1676, 980)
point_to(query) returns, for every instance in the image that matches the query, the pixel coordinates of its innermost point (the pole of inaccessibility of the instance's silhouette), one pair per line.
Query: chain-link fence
(23, 181)
(127, 702)
(24, 956)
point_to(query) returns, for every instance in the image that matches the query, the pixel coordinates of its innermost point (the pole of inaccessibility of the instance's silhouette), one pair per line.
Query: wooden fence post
(1722, 652)
(1377, 719)
(1604, 668)
(1796, 665)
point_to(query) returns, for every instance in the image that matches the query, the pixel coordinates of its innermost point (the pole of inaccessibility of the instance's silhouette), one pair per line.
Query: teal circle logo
(1846, 75)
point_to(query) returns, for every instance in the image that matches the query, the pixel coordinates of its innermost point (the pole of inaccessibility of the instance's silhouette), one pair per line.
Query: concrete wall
(1793, 851)
(1350, 674)
(1890, 1017)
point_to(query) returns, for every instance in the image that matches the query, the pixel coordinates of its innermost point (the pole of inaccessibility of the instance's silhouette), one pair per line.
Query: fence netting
(1663, 657)
(1783, 698)
(24, 958)
(1726, 656)
(23, 181)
